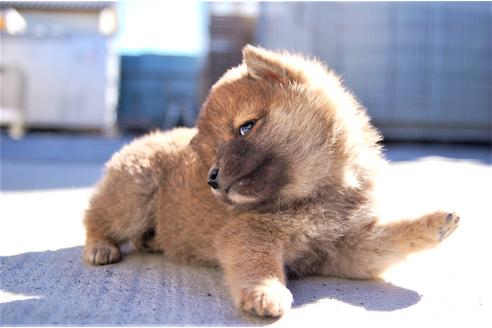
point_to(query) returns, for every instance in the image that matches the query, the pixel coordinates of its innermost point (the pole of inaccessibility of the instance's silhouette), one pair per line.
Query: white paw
(268, 299)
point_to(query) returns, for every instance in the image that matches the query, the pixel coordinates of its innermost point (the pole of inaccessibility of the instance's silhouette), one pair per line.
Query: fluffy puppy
(276, 180)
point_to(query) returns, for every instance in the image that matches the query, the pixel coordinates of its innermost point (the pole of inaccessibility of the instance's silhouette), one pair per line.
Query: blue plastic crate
(157, 92)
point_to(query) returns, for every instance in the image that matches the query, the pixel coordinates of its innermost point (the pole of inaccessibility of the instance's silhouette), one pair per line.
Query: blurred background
(423, 70)
(78, 80)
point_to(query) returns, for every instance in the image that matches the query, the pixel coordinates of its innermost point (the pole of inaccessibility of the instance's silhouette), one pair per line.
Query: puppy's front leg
(253, 267)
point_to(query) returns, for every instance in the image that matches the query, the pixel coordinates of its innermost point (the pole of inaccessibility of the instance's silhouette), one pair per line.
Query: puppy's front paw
(441, 224)
(101, 253)
(268, 299)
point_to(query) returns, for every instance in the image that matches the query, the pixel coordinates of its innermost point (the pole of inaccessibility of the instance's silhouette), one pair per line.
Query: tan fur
(295, 192)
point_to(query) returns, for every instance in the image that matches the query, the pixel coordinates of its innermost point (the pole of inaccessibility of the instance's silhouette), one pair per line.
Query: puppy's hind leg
(369, 251)
(117, 213)
(146, 242)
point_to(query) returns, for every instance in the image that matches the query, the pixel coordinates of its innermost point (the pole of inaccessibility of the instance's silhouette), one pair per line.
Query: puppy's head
(267, 131)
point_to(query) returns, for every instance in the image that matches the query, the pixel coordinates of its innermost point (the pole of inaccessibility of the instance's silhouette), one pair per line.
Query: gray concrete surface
(45, 185)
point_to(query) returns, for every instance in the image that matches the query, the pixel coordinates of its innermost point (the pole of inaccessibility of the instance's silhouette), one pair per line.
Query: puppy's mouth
(232, 195)
(248, 183)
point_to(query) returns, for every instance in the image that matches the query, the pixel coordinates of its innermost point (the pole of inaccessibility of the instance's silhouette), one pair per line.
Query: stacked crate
(228, 35)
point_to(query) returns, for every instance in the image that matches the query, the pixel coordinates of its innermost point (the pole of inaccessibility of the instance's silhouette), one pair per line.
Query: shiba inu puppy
(276, 180)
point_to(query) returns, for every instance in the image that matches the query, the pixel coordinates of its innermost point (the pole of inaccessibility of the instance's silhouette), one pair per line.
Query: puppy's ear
(264, 64)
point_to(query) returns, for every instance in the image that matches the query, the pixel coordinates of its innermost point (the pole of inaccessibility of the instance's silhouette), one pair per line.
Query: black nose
(213, 177)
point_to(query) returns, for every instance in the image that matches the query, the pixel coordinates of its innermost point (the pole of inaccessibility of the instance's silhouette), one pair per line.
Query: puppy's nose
(213, 177)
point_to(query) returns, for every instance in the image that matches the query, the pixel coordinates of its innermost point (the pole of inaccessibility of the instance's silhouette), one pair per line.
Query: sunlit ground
(46, 183)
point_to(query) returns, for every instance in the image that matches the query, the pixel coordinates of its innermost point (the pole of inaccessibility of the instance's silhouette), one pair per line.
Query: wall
(423, 70)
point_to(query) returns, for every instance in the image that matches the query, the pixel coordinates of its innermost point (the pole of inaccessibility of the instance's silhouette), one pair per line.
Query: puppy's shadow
(372, 295)
(56, 288)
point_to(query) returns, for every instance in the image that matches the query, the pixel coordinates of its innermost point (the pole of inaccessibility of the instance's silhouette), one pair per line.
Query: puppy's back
(149, 159)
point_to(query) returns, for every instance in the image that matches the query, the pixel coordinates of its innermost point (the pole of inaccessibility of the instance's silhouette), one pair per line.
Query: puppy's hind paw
(442, 224)
(101, 253)
(450, 224)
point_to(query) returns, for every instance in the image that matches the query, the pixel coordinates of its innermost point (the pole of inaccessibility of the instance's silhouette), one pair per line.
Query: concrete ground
(45, 184)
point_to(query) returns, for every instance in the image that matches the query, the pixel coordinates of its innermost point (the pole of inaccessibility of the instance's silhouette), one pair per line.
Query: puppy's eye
(246, 127)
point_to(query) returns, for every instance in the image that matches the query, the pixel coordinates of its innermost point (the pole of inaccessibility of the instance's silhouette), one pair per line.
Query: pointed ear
(264, 64)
